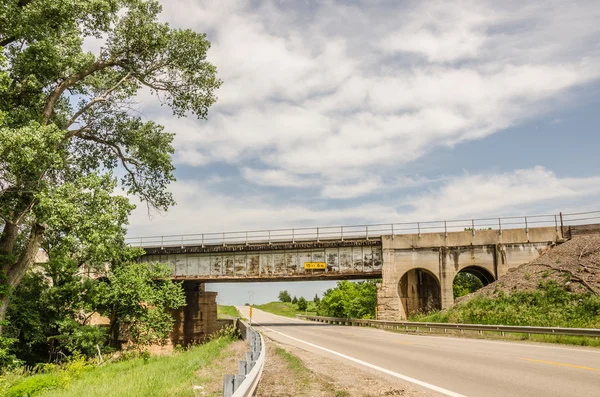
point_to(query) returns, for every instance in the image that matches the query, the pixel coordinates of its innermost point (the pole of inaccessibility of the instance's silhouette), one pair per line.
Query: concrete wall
(439, 257)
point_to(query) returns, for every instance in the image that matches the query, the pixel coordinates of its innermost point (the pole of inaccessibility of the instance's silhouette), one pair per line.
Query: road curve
(445, 365)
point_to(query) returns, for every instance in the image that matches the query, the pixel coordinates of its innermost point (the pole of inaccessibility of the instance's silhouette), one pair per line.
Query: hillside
(575, 265)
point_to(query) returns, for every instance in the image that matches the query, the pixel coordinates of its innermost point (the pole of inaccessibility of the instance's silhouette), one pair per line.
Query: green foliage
(350, 299)
(50, 311)
(8, 360)
(294, 300)
(33, 385)
(550, 306)
(316, 299)
(284, 296)
(46, 314)
(139, 375)
(302, 304)
(138, 297)
(465, 283)
(157, 376)
(66, 128)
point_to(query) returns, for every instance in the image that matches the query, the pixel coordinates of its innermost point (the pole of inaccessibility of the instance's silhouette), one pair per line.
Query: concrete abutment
(419, 270)
(195, 321)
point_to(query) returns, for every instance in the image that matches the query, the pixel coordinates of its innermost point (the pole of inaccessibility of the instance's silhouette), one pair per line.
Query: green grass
(157, 376)
(223, 311)
(287, 309)
(549, 306)
(292, 361)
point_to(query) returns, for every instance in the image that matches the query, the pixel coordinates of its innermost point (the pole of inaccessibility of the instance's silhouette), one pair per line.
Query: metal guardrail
(249, 370)
(594, 332)
(364, 231)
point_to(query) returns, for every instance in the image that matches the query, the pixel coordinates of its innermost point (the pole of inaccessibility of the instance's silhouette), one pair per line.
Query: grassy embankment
(287, 309)
(171, 375)
(225, 311)
(548, 306)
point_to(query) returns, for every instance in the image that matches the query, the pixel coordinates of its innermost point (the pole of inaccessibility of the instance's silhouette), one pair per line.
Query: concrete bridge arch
(419, 290)
(484, 275)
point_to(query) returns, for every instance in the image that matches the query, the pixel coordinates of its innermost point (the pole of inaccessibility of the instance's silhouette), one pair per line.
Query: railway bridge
(417, 262)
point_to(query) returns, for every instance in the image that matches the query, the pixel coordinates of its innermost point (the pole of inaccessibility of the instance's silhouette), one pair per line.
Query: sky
(360, 112)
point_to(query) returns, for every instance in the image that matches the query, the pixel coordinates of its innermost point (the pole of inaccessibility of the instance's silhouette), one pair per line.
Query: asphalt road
(446, 365)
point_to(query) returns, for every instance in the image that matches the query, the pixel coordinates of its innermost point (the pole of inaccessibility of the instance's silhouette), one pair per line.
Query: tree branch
(116, 147)
(68, 82)
(94, 101)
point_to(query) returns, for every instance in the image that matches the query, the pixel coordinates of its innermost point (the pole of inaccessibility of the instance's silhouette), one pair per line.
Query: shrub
(284, 296)
(302, 304)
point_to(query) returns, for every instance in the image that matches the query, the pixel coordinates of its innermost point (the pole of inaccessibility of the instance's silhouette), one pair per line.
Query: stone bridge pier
(198, 318)
(419, 270)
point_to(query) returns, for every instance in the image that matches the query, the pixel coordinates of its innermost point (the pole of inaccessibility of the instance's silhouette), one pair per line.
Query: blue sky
(365, 112)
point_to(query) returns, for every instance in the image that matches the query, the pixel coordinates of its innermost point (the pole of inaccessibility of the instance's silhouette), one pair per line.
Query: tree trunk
(14, 273)
(7, 242)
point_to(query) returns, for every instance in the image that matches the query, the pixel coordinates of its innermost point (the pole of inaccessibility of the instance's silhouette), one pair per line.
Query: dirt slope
(575, 263)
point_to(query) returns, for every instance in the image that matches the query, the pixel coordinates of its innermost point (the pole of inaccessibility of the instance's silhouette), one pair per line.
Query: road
(446, 365)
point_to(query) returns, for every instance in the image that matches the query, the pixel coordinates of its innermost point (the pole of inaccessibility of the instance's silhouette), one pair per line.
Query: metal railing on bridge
(365, 231)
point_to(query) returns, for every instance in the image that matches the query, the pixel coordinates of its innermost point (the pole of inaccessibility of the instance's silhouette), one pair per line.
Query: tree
(137, 298)
(316, 299)
(284, 296)
(294, 300)
(65, 114)
(350, 299)
(52, 306)
(302, 304)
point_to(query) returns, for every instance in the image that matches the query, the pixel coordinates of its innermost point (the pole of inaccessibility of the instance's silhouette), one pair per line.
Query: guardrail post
(367, 231)
(419, 229)
(202, 240)
(162, 242)
(242, 367)
(237, 381)
(392, 231)
(269, 237)
(472, 227)
(228, 385)
(246, 238)
(182, 241)
(317, 235)
(293, 237)
(141, 241)
(342, 227)
(499, 226)
(526, 229)
(223, 238)
(445, 229)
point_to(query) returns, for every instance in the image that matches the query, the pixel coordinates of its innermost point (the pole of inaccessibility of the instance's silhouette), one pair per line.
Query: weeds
(549, 306)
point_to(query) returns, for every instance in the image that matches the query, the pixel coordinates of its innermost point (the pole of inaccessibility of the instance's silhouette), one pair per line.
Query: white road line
(375, 367)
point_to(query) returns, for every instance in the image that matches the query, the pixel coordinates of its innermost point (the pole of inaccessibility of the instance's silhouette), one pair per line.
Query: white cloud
(201, 208)
(309, 99)
(493, 194)
(270, 177)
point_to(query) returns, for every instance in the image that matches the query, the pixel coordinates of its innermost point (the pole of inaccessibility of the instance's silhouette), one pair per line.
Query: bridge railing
(349, 232)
